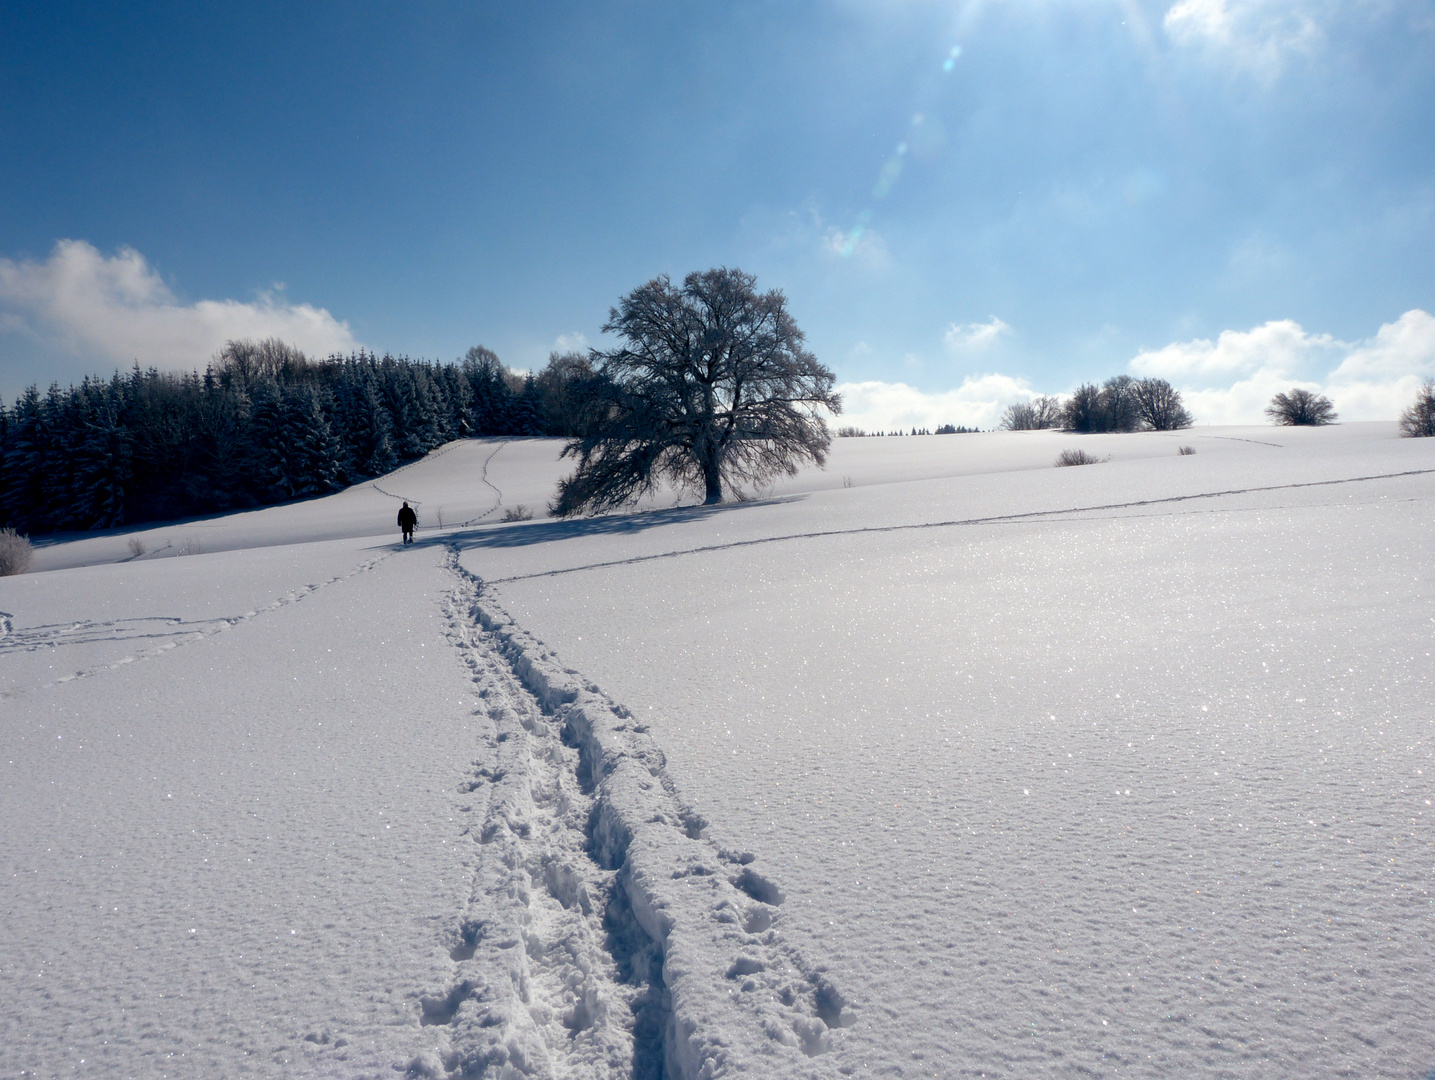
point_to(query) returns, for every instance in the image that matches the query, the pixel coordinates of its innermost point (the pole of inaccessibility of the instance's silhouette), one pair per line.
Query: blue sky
(965, 203)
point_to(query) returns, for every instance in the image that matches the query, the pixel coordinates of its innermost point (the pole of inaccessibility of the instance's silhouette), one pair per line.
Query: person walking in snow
(407, 520)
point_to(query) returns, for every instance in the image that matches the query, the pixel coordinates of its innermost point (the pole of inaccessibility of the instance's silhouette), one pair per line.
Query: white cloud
(1227, 381)
(1280, 344)
(883, 406)
(1256, 35)
(1231, 380)
(969, 337)
(574, 342)
(117, 308)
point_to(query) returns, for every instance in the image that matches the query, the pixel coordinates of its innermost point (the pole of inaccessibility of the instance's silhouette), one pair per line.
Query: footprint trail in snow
(605, 935)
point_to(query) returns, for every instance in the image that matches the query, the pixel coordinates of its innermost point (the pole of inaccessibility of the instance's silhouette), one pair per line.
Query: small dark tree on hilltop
(1085, 411)
(713, 386)
(1418, 421)
(1301, 408)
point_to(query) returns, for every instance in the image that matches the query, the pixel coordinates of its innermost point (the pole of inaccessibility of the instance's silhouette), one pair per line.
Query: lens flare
(888, 176)
(923, 139)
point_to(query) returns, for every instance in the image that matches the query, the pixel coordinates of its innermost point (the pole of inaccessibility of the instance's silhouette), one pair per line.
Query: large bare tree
(712, 387)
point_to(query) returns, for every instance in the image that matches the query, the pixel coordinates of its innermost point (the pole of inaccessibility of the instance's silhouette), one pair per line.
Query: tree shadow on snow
(524, 533)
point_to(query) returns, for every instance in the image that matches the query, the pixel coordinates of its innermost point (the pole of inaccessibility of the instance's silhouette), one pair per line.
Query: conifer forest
(262, 424)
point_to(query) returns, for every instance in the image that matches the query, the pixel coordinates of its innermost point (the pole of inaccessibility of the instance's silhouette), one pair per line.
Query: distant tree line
(942, 429)
(262, 424)
(1122, 403)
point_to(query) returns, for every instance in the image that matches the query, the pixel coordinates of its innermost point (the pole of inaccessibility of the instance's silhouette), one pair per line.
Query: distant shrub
(1158, 405)
(15, 552)
(1038, 414)
(1301, 408)
(518, 513)
(1076, 457)
(136, 546)
(1418, 421)
(190, 546)
(1087, 410)
(1125, 404)
(851, 433)
(1186, 451)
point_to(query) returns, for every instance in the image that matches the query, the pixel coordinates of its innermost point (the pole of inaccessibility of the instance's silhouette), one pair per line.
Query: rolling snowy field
(939, 762)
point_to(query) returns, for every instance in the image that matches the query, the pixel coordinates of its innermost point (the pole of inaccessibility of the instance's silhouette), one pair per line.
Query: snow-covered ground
(939, 762)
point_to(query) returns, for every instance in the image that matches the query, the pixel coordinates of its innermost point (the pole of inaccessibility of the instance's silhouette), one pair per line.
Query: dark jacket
(407, 518)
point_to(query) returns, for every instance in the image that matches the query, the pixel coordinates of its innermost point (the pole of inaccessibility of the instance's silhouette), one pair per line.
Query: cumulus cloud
(1256, 35)
(117, 308)
(1280, 344)
(969, 337)
(1231, 380)
(885, 406)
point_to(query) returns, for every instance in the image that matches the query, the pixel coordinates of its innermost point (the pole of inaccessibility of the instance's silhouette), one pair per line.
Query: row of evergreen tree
(262, 424)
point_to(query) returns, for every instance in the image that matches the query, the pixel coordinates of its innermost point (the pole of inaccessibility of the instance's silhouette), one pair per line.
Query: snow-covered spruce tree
(100, 462)
(1301, 408)
(712, 387)
(1418, 421)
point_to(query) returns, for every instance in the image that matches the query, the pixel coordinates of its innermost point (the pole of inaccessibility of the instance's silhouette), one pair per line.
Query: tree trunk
(712, 479)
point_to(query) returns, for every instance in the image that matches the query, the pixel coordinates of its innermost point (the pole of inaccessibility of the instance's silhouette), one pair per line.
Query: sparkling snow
(941, 761)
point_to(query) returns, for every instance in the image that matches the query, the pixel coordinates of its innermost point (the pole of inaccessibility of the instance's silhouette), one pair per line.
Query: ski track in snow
(153, 635)
(605, 935)
(958, 523)
(483, 478)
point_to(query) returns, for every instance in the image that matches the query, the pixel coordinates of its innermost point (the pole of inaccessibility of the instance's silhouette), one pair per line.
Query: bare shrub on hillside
(15, 552)
(1076, 457)
(1038, 414)
(137, 547)
(851, 433)
(1418, 421)
(1301, 408)
(518, 513)
(1186, 451)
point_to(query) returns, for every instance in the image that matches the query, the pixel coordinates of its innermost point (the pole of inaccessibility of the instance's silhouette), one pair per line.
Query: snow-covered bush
(1418, 421)
(1076, 457)
(1186, 451)
(15, 552)
(518, 513)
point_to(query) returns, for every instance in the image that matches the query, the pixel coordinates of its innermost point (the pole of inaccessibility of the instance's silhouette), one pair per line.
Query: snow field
(939, 762)
(235, 856)
(1127, 791)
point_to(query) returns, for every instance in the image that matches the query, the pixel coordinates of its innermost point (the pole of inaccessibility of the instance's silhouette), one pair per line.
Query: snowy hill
(941, 761)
